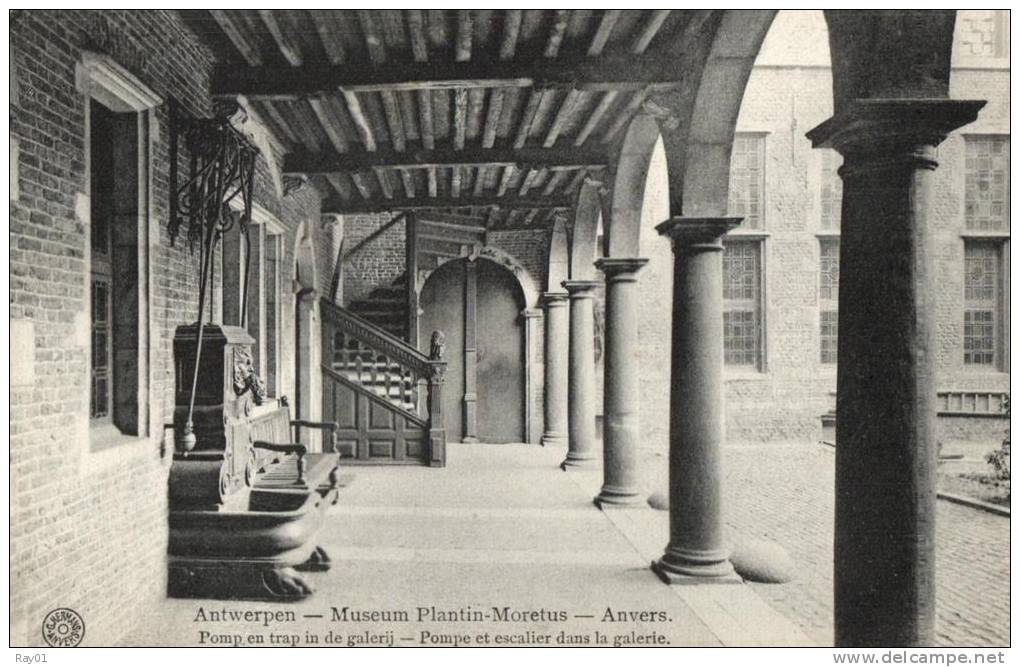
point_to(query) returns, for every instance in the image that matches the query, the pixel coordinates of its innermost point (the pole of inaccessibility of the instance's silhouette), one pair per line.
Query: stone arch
(699, 184)
(559, 256)
(891, 54)
(583, 231)
(527, 282)
(628, 188)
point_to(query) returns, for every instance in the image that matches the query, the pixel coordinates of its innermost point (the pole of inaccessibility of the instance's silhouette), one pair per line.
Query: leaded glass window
(829, 336)
(747, 180)
(981, 303)
(831, 189)
(742, 303)
(987, 184)
(828, 299)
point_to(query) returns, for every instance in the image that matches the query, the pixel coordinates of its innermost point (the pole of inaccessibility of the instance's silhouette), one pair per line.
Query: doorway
(477, 305)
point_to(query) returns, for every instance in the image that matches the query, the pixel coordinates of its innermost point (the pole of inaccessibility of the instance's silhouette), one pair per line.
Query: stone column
(696, 552)
(581, 375)
(531, 316)
(621, 430)
(885, 401)
(470, 424)
(556, 350)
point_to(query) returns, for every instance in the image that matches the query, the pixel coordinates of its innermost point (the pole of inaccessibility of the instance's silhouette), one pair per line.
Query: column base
(469, 440)
(553, 440)
(676, 567)
(582, 461)
(614, 496)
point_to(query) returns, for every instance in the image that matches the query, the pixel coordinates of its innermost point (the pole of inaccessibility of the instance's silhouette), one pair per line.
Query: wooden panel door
(500, 332)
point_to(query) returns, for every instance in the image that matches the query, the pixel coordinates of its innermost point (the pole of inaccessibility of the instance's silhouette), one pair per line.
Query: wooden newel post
(436, 376)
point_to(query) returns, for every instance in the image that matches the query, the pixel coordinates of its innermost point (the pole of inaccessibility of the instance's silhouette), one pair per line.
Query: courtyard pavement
(784, 494)
(500, 546)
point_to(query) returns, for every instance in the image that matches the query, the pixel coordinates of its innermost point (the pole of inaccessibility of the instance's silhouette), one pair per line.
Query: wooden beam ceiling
(403, 204)
(633, 72)
(555, 159)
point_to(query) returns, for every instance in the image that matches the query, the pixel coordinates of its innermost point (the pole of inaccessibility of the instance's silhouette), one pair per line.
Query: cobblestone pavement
(785, 494)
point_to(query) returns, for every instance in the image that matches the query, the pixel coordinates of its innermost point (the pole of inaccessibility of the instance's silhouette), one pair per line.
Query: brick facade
(89, 528)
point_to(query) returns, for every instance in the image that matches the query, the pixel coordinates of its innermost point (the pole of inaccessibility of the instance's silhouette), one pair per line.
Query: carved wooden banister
(362, 355)
(375, 338)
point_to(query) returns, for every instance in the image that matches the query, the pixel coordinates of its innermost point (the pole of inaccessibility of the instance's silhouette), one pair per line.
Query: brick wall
(89, 530)
(380, 262)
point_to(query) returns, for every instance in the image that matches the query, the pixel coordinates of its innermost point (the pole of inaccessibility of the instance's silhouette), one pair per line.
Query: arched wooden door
(478, 306)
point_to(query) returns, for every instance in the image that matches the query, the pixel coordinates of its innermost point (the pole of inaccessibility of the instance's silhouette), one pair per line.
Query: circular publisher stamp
(63, 628)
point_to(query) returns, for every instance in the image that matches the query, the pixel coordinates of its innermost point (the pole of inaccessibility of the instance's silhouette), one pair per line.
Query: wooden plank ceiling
(492, 114)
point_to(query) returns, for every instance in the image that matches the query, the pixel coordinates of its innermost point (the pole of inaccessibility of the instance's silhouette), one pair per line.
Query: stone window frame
(1001, 240)
(264, 227)
(275, 234)
(830, 304)
(1000, 249)
(758, 240)
(101, 78)
(759, 236)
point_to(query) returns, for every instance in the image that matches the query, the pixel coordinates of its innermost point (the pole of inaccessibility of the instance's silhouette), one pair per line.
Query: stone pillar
(556, 350)
(470, 352)
(532, 317)
(696, 552)
(885, 401)
(621, 427)
(581, 375)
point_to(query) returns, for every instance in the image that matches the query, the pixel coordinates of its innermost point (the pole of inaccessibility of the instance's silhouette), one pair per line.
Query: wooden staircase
(383, 393)
(385, 307)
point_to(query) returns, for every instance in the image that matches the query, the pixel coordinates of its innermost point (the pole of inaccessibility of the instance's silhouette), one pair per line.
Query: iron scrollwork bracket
(221, 166)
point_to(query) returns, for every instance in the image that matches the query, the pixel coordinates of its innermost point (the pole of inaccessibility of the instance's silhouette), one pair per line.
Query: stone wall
(88, 528)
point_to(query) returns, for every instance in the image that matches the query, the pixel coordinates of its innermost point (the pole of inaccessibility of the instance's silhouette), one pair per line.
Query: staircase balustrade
(388, 368)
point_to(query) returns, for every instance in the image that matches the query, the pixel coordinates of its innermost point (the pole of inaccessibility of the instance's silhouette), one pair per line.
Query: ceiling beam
(605, 29)
(327, 24)
(236, 36)
(649, 30)
(606, 73)
(440, 247)
(288, 46)
(464, 222)
(451, 234)
(402, 204)
(304, 162)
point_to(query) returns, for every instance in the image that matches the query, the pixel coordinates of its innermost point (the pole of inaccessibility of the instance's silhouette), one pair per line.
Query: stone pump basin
(251, 554)
(279, 534)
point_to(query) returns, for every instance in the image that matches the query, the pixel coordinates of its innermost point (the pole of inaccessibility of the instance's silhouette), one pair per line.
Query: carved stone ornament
(666, 117)
(245, 377)
(437, 347)
(292, 184)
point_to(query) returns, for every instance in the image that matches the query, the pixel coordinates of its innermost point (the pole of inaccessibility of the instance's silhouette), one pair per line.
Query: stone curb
(974, 503)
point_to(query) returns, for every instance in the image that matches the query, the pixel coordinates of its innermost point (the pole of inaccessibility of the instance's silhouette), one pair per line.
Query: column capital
(696, 231)
(553, 298)
(868, 126)
(531, 313)
(580, 289)
(620, 267)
